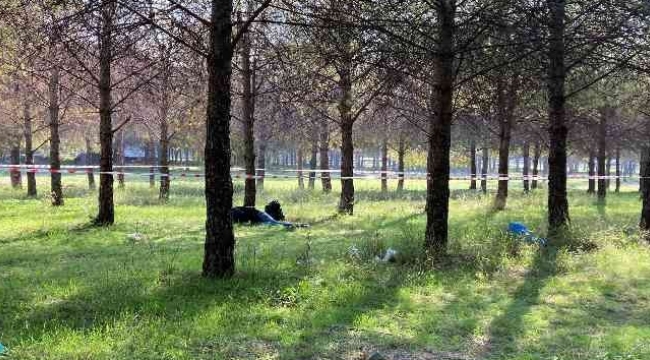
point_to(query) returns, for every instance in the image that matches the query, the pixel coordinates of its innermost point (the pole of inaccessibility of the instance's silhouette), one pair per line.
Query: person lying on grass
(272, 215)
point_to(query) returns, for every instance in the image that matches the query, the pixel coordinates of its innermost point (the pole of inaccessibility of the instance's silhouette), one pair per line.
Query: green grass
(68, 291)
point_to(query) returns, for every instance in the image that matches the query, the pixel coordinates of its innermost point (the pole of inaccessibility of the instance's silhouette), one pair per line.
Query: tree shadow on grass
(181, 299)
(45, 233)
(110, 294)
(613, 319)
(173, 296)
(505, 330)
(333, 331)
(601, 206)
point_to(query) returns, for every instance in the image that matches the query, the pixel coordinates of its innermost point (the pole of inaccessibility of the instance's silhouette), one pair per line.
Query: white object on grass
(354, 252)
(135, 236)
(389, 256)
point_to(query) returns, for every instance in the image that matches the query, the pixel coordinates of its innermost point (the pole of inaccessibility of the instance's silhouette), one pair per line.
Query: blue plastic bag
(2, 349)
(520, 230)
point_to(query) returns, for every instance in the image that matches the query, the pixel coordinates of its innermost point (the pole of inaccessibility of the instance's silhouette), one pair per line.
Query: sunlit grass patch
(134, 290)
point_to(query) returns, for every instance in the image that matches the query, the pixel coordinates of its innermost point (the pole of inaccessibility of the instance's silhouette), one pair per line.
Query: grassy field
(134, 291)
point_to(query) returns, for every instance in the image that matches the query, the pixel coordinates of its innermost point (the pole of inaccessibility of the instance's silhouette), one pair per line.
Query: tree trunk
(261, 163)
(326, 180)
(165, 182)
(120, 159)
(643, 161)
(15, 173)
(537, 152)
(219, 258)
(517, 167)
(29, 150)
(346, 205)
(485, 164)
(526, 168)
(472, 165)
(248, 120)
(374, 161)
(645, 192)
(106, 214)
(401, 151)
(314, 158)
(505, 134)
(438, 162)
(55, 140)
(89, 163)
(384, 165)
(299, 163)
(618, 169)
(558, 204)
(151, 159)
(608, 172)
(602, 155)
(592, 172)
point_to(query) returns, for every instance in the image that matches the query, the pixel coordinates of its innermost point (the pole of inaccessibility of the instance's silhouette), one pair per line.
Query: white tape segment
(237, 174)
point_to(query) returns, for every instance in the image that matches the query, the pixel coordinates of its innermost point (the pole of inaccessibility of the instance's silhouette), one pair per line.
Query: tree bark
(537, 152)
(163, 118)
(346, 204)
(106, 214)
(645, 192)
(485, 163)
(517, 167)
(384, 165)
(526, 168)
(643, 161)
(120, 158)
(248, 120)
(163, 193)
(89, 163)
(151, 159)
(505, 134)
(299, 163)
(29, 150)
(472, 165)
(618, 169)
(219, 259)
(261, 162)
(592, 172)
(15, 173)
(55, 140)
(438, 162)
(324, 145)
(314, 159)
(608, 172)
(602, 155)
(401, 152)
(558, 204)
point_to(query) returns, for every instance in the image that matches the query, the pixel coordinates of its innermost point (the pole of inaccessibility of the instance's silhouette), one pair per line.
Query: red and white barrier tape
(303, 174)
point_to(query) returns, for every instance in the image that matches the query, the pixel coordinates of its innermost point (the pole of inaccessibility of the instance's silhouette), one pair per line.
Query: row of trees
(535, 75)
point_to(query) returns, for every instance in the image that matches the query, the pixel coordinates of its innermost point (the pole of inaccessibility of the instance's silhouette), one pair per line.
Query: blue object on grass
(519, 229)
(2, 349)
